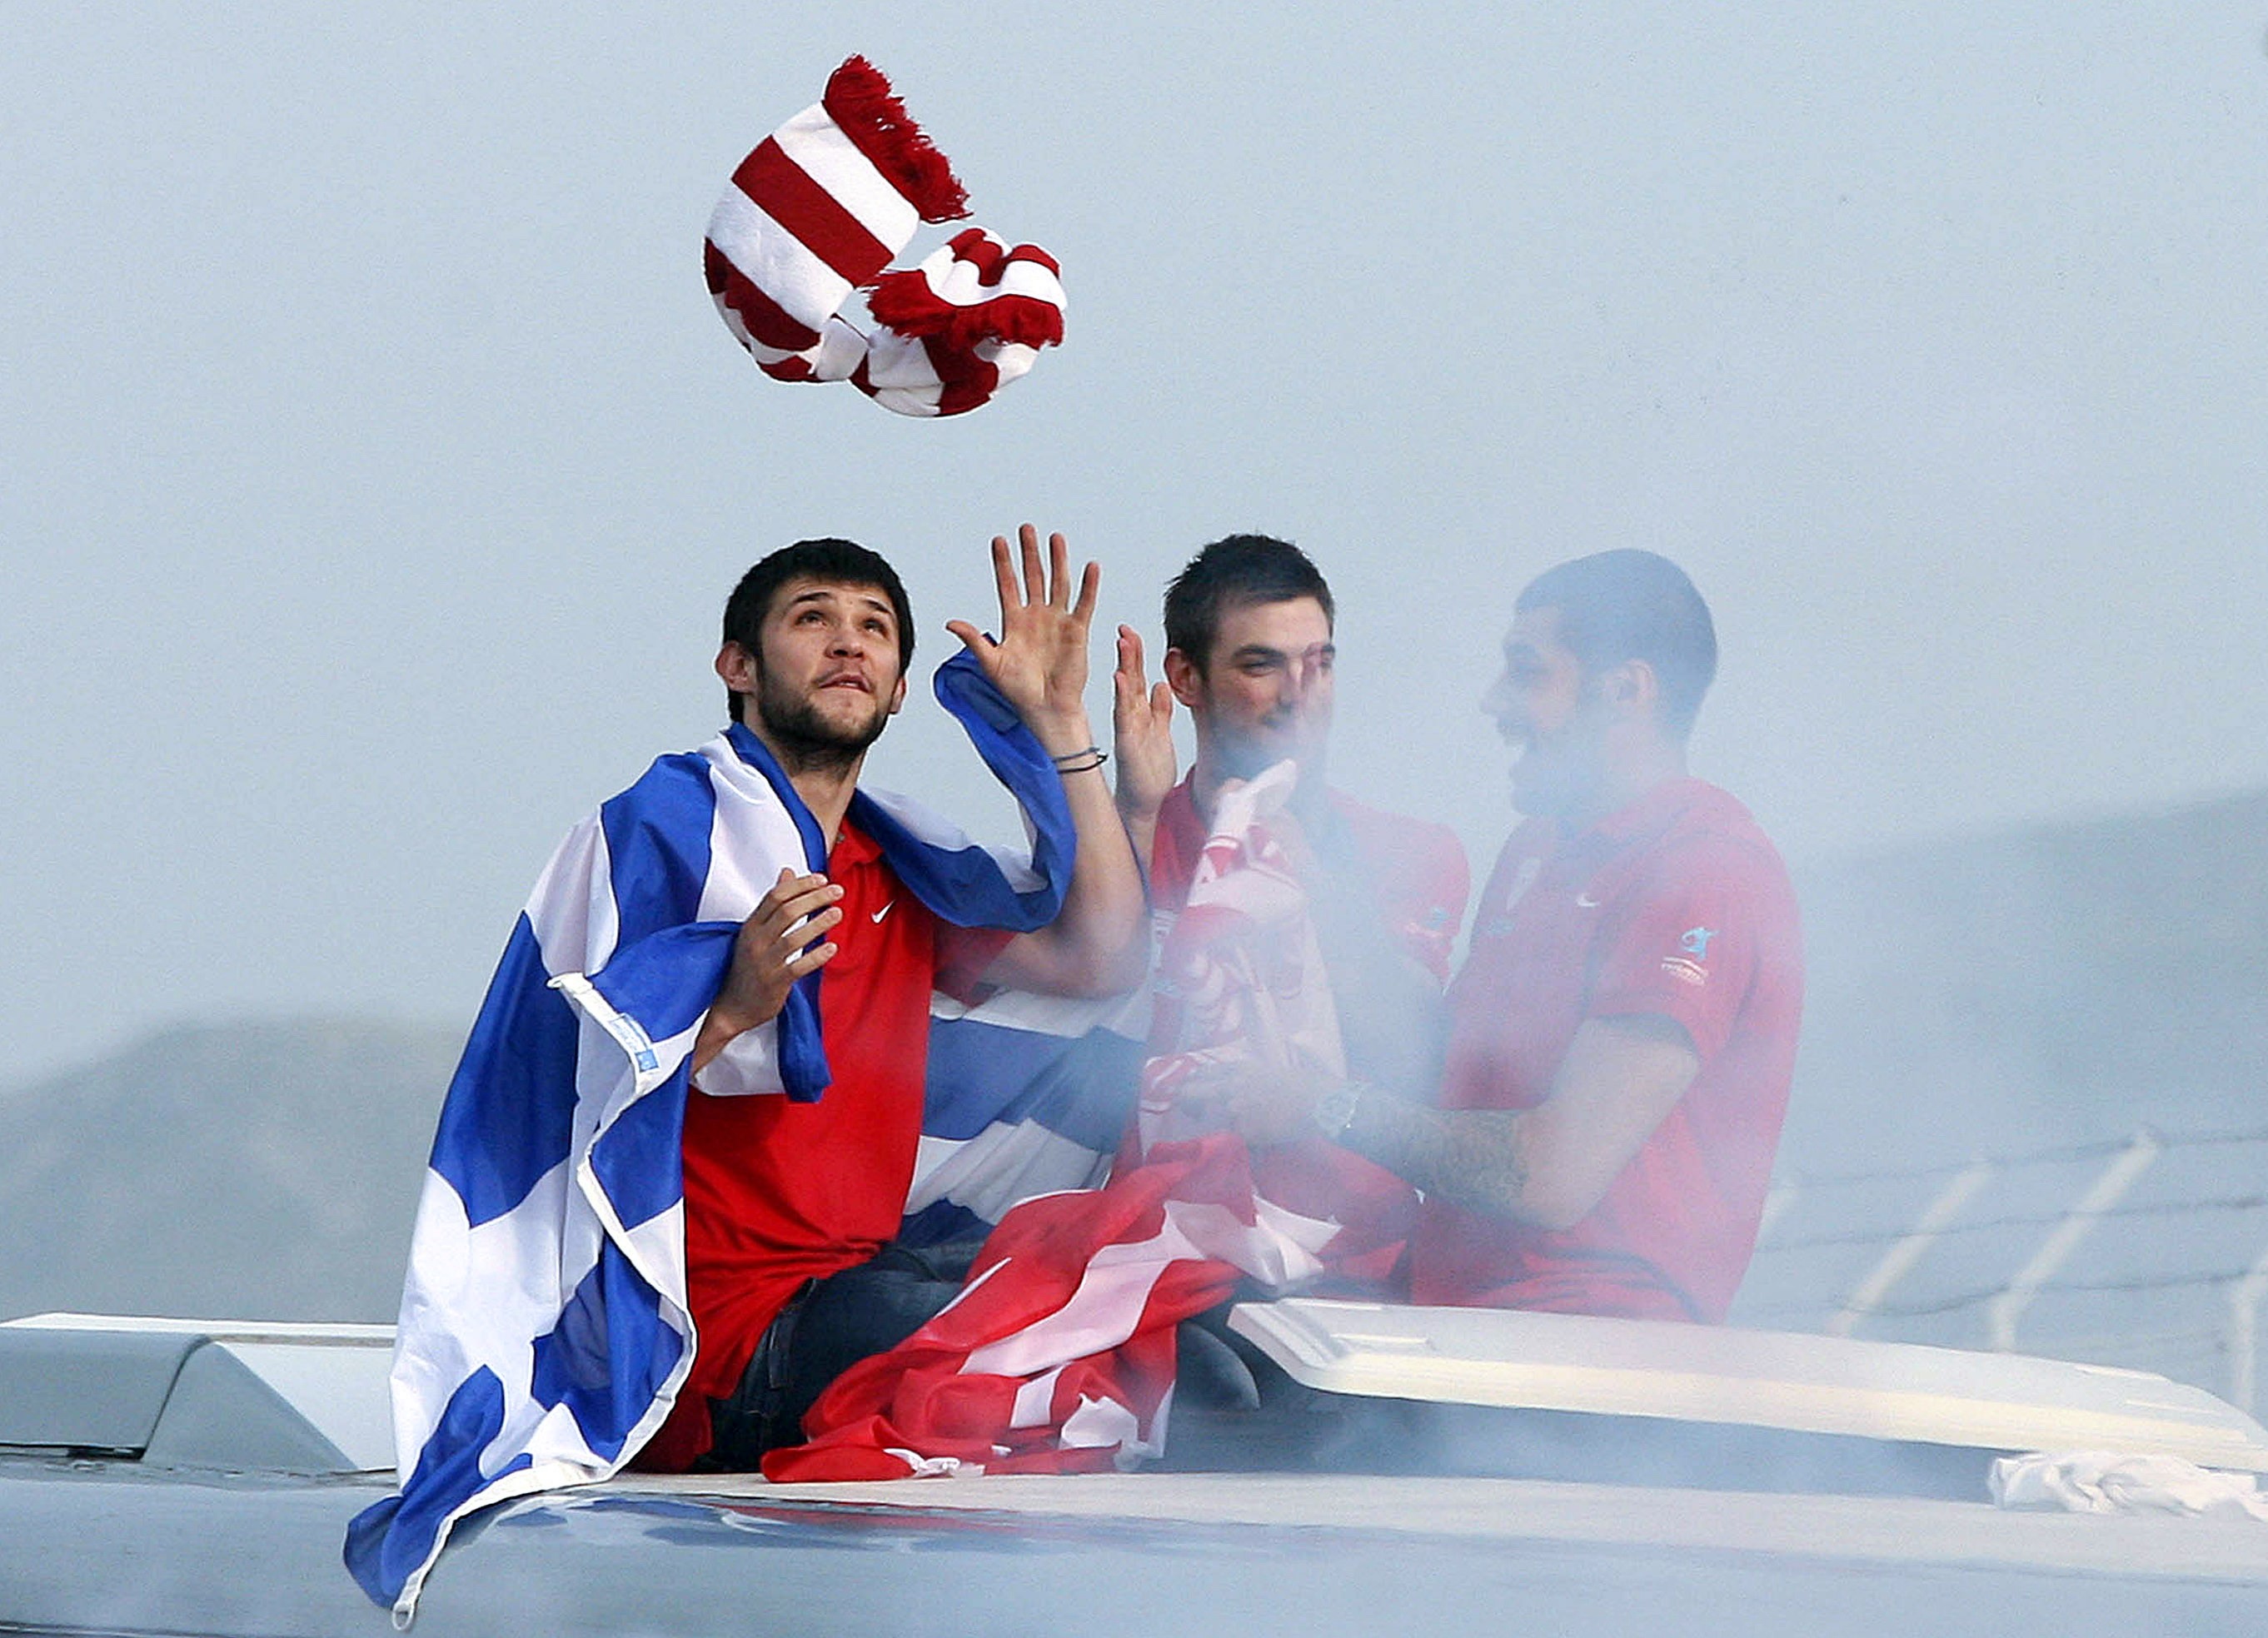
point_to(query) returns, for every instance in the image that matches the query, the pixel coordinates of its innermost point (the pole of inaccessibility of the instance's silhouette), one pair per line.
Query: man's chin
(852, 718)
(1534, 796)
(826, 732)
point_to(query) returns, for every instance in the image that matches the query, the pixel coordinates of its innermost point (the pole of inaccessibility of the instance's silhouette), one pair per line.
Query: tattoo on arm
(1469, 1157)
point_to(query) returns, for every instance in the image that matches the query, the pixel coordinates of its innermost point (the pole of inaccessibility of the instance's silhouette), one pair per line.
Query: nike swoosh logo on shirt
(877, 918)
(1584, 901)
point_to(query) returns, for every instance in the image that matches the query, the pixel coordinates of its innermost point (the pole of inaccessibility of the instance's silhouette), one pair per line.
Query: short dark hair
(1234, 571)
(1630, 604)
(845, 562)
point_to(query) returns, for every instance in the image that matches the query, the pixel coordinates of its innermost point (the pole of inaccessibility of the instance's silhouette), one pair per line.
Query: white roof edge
(1843, 1528)
(315, 1331)
(1798, 1383)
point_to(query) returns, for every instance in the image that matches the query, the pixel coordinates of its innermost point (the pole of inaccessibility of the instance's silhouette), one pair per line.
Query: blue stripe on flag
(639, 1160)
(658, 846)
(964, 886)
(608, 1355)
(667, 980)
(803, 1067)
(510, 1114)
(387, 1540)
(942, 1222)
(1083, 1087)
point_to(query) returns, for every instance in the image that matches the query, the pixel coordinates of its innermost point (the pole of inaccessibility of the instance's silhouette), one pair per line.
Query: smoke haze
(378, 466)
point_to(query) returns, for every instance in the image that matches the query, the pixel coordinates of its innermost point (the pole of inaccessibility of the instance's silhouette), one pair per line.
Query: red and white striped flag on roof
(817, 213)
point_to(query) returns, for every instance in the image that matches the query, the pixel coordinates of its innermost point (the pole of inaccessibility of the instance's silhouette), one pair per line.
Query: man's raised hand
(1039, 661)
(1141, 732)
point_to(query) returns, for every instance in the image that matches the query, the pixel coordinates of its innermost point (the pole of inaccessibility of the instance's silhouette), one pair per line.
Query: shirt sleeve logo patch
(1687, 968)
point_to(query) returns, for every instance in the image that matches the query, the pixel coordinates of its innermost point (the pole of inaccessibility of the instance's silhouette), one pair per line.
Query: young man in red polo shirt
(1250, 653)
(1623, 1029)
(790, 1206)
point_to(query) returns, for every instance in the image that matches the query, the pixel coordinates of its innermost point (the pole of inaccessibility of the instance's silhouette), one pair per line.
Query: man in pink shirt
(1623, 1029)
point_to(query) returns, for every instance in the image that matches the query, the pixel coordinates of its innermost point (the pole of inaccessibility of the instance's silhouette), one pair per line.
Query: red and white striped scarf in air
(1057, 1355)
(817, 213)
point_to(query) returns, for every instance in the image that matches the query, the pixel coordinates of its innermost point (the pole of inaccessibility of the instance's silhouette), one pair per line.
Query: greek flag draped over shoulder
(544, 1331)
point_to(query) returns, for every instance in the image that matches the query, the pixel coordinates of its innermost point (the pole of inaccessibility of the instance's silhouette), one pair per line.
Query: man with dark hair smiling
(1623, 1028)
(1251, 654)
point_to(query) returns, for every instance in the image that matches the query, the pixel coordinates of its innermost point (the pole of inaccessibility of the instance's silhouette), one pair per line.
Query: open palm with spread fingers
(1141, 732)
(1039, 662)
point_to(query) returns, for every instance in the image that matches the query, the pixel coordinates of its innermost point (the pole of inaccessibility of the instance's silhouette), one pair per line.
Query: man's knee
(826, 1328)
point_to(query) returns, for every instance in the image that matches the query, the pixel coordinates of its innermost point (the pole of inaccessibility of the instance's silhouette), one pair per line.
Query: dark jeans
(826, 1327)
(1233, 1409)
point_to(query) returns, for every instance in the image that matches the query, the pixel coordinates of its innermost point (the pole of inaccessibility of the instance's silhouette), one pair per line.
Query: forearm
(1094, 946)
(1549, 1165)
(1476, 1159)
(718, 1032)
(1142, 834)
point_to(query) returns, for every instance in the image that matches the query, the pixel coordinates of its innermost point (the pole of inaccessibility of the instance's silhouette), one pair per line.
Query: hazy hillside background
(2011, 996)
(2035, 987)
(2068, 1005)
(224, 1170)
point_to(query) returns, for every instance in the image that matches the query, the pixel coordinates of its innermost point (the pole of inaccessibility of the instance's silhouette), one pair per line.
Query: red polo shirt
(1677, 906)
(778, 1192)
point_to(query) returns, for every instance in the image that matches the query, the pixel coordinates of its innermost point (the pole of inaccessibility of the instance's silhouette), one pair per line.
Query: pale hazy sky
(377, 465)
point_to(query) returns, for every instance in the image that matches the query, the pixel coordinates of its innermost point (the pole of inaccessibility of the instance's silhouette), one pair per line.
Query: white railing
(2100, 1211)
(2108, 1188)
(1867, 1296)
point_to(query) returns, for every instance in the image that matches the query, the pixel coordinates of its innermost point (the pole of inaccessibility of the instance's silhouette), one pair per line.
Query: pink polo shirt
(1677, 906)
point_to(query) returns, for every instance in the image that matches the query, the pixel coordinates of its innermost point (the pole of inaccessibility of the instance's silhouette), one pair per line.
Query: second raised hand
(1040, 660)
(1142, 732)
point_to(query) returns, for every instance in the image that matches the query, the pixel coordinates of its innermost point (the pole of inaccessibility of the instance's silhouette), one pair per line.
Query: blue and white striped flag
(1028, 1094)
(544, 1330)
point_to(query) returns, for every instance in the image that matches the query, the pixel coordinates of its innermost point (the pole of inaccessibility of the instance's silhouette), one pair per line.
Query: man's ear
(737, 667)
(1183, 678)
(898, 697)
(1634, 687)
